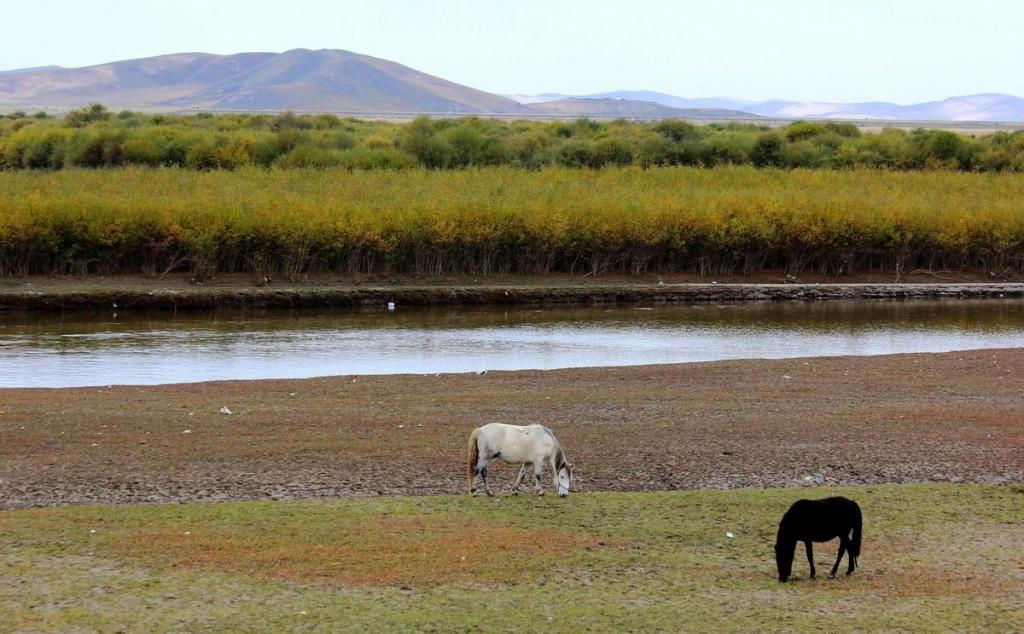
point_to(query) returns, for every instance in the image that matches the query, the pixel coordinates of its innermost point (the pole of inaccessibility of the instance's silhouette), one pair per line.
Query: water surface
(77, 349)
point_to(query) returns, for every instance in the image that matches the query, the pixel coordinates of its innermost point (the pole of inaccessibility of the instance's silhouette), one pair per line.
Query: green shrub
(768, 151)
(84, 116)
(91, 137)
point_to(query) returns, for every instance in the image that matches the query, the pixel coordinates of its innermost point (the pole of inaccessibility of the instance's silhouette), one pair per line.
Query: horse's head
(563, 479)
(784, 561)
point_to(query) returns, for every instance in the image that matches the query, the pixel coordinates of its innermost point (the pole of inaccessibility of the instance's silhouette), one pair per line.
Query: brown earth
(178, 293)
(842, 420)
(179, 280)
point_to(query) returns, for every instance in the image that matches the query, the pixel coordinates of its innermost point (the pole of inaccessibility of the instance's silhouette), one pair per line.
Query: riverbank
(176, 293)
(947, 417)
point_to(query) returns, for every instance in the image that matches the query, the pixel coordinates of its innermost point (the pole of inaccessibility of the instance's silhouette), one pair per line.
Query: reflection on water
(99, 350)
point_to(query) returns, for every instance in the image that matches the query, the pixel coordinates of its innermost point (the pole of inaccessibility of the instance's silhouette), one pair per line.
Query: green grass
(936, 557)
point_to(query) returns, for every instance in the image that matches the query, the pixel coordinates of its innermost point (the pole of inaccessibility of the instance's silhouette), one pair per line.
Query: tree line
(94, 137)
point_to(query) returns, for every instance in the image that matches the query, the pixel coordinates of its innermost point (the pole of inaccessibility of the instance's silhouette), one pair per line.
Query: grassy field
(936, 557)
(504, 220)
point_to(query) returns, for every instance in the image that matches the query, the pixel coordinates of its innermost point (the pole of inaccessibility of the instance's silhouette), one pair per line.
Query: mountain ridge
(335, 80)
(977, 107)
(591, 106)
(298, 79)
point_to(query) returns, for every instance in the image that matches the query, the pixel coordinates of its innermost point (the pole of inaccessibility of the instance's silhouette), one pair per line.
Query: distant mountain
(27, 70)
(329, 80)
(629, 108)
(300, 79)
(541, 98)
(672, 100)
(983, 107)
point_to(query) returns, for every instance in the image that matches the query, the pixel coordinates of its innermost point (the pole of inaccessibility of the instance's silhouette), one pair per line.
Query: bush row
(95, 138)
(505, 220)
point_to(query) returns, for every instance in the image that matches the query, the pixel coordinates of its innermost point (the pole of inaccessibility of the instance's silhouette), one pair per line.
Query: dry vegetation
(504, 220)
(358, 549)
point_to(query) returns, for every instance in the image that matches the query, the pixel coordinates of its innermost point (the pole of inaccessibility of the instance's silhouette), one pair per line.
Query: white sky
(826, 50)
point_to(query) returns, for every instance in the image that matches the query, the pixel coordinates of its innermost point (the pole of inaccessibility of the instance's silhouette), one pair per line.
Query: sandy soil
(846, 420)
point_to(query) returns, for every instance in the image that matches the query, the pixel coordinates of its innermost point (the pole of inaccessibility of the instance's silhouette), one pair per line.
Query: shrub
(574, 153)
(91, 137)
(767, 151)
(307, 156)
(84, 116)
(611, 151)
(375, 142)
(432, 151)
(802, 130)
(343, 219)
(677, 130)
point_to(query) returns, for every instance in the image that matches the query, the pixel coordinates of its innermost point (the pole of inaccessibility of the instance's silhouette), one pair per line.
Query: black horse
(810, 521)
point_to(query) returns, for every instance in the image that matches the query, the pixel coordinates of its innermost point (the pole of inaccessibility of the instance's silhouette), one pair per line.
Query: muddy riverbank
(753, 423)
(240, 292)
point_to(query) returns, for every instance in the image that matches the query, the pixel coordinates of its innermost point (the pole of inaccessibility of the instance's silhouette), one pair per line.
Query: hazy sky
(838, 50)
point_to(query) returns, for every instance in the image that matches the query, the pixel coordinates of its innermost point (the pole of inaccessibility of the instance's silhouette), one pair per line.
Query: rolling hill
(300, 79)
(674, 101)
(982, 107)
(14, 71)
(329, 80)
(575, 106)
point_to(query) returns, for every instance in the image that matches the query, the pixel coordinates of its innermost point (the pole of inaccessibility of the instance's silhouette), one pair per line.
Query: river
(90, 349)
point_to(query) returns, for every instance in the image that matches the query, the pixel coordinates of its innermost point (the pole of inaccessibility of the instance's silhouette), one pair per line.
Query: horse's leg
(538, 470)
(487, 487)
(480, 470)
(852, 561)
(842, 549)
(810, 556)
(519, 478)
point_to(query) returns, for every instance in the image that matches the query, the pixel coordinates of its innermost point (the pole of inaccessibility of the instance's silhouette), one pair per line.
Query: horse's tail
(474, 455)
(855, 540)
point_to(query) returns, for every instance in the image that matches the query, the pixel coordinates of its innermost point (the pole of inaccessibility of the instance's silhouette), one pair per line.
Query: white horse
(515, 444)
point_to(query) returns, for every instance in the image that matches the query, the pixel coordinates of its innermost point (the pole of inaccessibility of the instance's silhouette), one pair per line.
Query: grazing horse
(818, 521)
(515, 444)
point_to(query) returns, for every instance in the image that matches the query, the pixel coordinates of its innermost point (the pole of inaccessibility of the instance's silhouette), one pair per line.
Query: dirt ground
(178, 280)
(176, 293)
(754, 423)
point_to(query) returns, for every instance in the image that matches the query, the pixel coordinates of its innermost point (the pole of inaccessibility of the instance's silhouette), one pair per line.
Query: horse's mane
(560, 460)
